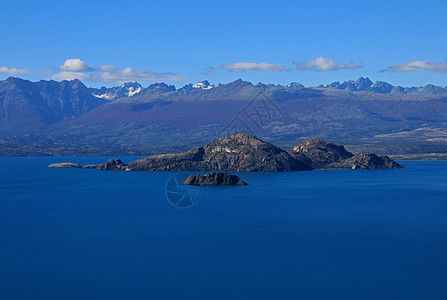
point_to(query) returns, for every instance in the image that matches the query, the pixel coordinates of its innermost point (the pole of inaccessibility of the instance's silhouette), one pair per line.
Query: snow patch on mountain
(104, 96)
(133, 91)
(202, 85)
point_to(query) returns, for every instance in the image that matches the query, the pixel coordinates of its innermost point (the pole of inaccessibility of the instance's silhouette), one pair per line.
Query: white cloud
(67, 75)
(323, 64)
(250, 66)
(109, 73)
(14, 71)
(128, 74)
(419, 65)
(107, 68)
(75, 65)
(75, 68)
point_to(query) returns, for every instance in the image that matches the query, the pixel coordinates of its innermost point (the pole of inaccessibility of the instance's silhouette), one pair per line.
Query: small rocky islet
(245, 153)
(65, 165)
(214, 179)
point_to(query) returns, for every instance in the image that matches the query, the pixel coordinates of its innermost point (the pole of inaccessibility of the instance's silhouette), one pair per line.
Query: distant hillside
(330, 114)
(162, 116)
(28, 106)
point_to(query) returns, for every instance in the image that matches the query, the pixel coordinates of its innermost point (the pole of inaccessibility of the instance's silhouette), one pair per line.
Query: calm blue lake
(333, 234)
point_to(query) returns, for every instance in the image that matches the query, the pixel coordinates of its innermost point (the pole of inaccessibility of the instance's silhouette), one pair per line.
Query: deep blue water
(335, 234)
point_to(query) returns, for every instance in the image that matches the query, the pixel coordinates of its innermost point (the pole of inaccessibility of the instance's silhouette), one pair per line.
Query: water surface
(334, 234)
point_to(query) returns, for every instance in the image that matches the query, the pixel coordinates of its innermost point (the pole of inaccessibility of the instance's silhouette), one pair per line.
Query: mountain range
(242, 89)
(366, 85)
(27, 106)
(361, 114)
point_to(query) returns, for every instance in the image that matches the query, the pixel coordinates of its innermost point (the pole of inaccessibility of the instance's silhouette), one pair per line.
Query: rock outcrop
(237, 153)
(322, 155)
(112, 165)
(214, 179)
(89, 166)
(191, 160)
(245, 153)
(64, 165)
(366, 161)
(318, 153)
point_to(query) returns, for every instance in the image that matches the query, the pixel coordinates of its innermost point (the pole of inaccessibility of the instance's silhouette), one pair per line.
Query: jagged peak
(380, 83)
(201, 85)
(238, 82)
(361, 78)
(161, 85)
(12, 79)
(130, 84)
(295, 84)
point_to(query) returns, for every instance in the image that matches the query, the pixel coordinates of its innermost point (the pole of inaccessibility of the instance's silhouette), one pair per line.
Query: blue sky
(311, 42)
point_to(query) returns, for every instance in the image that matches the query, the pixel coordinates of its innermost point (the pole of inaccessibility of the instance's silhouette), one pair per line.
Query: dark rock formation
(214, 179)
(238, 153)
(191, 160)
(244, 153)
(64, 165)
(322, 155)
(318, 153)
(366, 161)
(112, 164)
(89, 166)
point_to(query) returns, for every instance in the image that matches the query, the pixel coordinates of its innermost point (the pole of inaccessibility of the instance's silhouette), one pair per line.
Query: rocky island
(245, 153)
(64, 165)
(323, 155)
(214, 179)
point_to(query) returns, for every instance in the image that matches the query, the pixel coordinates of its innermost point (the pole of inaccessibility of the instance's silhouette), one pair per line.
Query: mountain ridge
(240, 89)
(362, 84)
(25, 104)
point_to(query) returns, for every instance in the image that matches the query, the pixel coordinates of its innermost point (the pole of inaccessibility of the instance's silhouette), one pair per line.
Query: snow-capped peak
(132, 91)
(127, 89)
(203, 85)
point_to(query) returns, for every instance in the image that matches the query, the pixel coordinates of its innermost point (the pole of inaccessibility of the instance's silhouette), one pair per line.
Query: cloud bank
(13, 71)
(419, 65)
(68, 75)
(250, 66)
(323, 64)
(75, 65)
(76, 68)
